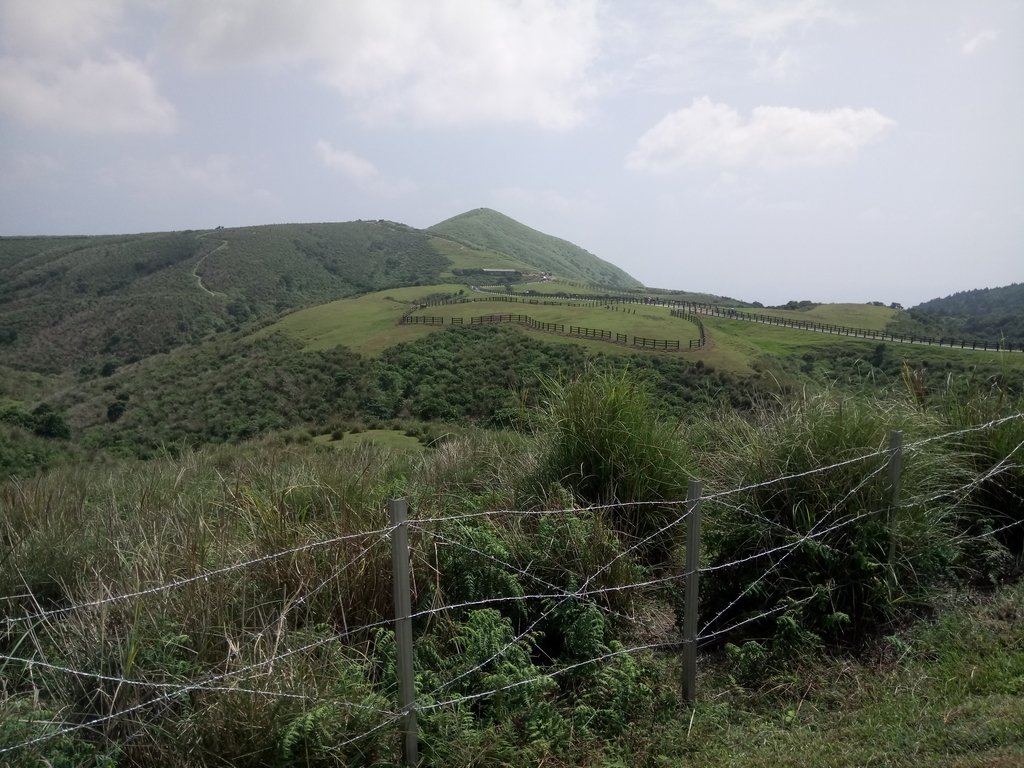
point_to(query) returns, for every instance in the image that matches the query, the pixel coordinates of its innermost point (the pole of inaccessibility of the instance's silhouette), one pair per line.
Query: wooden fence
(714, 310)
(863, 333)
(695, 319)
(668, 345)
(692, 311)
(639, 341)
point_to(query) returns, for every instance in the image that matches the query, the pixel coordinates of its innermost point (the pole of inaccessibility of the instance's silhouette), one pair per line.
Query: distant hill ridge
(78, 303)
(488, 229)
(983, 313)
(981, 301)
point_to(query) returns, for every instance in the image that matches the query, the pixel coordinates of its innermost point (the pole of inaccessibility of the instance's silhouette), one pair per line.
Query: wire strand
(206, 576)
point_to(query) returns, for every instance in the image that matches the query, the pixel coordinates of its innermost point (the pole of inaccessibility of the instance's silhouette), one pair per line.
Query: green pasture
(367, 324)
(736, 345)
(779, 341)
(649, 322)
(393, 439)
(761, 339)
(865, 316)
(469, 257)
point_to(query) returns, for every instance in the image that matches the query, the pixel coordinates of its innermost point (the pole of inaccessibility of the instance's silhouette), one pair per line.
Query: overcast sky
(802, 149)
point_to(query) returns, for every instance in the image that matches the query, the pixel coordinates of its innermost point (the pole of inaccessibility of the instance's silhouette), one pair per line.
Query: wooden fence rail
(714, 310)
(668, 345)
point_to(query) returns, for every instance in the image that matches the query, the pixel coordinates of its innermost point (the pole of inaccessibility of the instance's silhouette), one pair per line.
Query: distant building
(500, 271)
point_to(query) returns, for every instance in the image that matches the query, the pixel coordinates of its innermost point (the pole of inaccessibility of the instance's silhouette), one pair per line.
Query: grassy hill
(91, 304)
(484, 228)
(141, 342)
(987, 313)
(273, 268)
(199, 433)
(69, 303)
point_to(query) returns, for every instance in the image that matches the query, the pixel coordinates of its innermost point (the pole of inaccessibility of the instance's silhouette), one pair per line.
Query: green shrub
(603, 439)
(803, 556)
(992, 517)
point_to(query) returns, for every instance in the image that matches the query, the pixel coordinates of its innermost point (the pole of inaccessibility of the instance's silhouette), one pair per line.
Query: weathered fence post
(895, 474)
(399, 510)
(693, 492)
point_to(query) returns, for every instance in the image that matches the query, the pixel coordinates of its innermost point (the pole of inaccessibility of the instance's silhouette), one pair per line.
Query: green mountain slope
(986, 313)
(484, 228)
(90, 302)
(65, 301)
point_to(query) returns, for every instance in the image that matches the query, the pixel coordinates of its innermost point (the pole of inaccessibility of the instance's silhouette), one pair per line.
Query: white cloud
(444, 62)
(56, 29)
(346, 163)
(58, 69)
(760, 21)
(677, 47)
(715, 134)
(979, 40)
(778, 67)
(360, 171)
(215, 176)
(115, 94)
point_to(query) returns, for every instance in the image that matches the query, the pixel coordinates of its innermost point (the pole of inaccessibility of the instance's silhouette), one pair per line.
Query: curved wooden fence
(731, 313)
(667, 345)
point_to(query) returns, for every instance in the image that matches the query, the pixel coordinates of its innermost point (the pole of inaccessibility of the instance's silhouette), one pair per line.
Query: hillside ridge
(493, 230)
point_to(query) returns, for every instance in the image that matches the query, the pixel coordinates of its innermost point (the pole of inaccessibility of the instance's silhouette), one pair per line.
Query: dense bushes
(515, 586)
(806, 556)
(992, 505)
(492, 376)
(603, 439)
(237, 390)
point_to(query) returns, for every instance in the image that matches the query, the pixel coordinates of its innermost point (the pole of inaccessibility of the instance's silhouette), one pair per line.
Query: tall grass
(81, 537)
(992, 519)
(844, 561)
(603, 439)
(293, 673)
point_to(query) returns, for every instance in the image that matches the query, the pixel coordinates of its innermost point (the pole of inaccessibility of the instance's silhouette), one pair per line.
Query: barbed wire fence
(234, 676)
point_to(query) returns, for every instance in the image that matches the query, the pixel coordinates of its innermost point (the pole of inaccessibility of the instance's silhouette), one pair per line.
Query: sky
(767, 150)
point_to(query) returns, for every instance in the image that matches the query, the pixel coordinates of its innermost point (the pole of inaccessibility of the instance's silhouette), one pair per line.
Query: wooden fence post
(399, 510)
(895, 475)
(693, 492)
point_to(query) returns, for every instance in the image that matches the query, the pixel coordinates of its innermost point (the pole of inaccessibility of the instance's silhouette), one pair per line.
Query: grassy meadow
(464, 256)
(196, 564)
(236, 599)
(367, 324)
(867, 316)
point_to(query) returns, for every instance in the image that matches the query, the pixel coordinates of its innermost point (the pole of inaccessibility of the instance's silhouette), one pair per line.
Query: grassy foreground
(232, 606)
(946, 693)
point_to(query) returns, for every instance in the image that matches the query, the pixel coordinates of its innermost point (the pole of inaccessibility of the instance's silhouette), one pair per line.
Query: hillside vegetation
(489, 229)
(232, 606)
(82, 304)
(65, 302)
(233, 389)
(200, 432)
(268, 269)
(987, 313)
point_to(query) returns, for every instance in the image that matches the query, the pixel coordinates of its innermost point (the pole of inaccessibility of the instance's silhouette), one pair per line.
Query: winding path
(195, 272)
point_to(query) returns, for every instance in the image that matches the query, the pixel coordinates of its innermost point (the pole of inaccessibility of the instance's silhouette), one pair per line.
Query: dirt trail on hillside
(195, 272)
